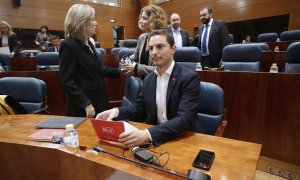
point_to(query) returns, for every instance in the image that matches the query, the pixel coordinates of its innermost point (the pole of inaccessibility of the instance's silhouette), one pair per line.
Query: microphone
(99, 149)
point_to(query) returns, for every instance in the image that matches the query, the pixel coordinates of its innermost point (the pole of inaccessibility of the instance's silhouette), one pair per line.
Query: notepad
(60, 122)
(46, 134)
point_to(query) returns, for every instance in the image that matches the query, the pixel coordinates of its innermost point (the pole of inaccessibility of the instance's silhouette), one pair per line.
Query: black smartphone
(204, 159)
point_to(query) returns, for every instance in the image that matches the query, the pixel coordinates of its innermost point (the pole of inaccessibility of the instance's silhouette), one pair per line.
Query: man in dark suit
(55, 44)
(181, 36)
(211, 38)
(169, 97)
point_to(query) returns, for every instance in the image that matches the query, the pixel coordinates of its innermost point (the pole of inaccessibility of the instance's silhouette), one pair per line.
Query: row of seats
(292, 35)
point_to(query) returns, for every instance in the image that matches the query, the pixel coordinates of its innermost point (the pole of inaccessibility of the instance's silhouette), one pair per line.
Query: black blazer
(218, 39)
(81, 73)
(184, 35)
(12, 43)
(182, 102)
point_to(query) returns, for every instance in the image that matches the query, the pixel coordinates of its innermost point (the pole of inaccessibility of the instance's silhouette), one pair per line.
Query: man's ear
(173, 49)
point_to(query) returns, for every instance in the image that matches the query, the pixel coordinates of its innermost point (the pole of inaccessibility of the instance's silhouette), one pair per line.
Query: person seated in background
(152, 17)
(180, 35)
(43, 38)
(8, 38)
(55, 44)
(169, 97)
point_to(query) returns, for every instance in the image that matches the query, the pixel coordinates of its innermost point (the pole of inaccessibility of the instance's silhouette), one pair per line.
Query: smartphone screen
(204, 159)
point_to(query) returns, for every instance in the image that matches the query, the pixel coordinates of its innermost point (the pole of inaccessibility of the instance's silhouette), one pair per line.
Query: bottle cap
(274, 64)
(69, 126)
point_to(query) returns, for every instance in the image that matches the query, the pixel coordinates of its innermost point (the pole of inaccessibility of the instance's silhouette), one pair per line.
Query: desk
(269, 57)
(24, 159)
(23, 63)
(282, 45)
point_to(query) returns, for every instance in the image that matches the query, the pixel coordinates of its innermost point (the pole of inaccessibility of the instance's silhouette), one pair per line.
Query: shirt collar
(173, 30)
(210, 22)
(168, 71)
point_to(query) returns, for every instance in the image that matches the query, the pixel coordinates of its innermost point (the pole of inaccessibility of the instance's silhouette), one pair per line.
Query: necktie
(204, 47)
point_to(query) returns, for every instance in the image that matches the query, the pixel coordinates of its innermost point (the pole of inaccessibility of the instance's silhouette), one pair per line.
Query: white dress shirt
(177, 37)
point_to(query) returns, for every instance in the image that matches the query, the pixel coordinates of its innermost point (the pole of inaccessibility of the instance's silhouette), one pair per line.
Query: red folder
(108, 130)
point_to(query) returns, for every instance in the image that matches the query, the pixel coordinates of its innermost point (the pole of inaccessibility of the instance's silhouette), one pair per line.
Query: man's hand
(134, 138)
(90, 111)
(108, 115)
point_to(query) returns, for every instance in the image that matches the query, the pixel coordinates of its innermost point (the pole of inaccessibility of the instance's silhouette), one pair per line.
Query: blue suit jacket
(182, 102)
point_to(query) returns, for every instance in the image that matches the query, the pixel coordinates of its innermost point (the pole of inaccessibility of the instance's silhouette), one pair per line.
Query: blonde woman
(152, 18)
(81, 70)
(8, 38)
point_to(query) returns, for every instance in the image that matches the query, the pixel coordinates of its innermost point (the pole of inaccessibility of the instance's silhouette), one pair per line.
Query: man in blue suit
(55, 44)
(211, 38)
(168, 100)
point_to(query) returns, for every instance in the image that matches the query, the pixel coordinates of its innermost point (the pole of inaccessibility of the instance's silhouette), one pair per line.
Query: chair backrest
(5, 62)
(292, 58)
(133, 86)
(126, 51)
(115, 51)
(211, 107)
(262, 45)
(30, 92)
(188, 56)
(27, 53)
(241, 57)
(231, 38)
(291, 35)
(97, 44)
(50, 60)
(101, 52)
(130, 43)
(267, 37)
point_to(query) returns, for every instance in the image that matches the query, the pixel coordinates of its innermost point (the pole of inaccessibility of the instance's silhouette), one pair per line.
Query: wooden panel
(262, 108)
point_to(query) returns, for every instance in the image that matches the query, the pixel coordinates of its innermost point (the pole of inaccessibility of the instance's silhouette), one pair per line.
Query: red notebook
(110, 130)
(46, 134)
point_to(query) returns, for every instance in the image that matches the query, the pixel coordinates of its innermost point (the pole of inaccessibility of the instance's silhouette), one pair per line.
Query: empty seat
(263, 46)
(267, 37)
(133, 86)
(27, 53)
(101, 52)
(188, 56)
(130, 43)
(48, 60)
(5, 63)
(97, 44)
(211, 108)
(291, 35)
(115, 51)
(292, 58)
(241, 57)
(126, 52)
(30, 92)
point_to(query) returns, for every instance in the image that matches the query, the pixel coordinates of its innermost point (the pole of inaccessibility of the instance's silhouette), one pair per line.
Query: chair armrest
(222, 126)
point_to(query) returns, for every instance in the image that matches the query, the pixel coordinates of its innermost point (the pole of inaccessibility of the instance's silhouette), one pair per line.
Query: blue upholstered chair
(101, 52)
(241, 57)
(291, 35)
(30, 92)
(48, 60)
(188, 56)
(211, 109)
(97, 44)
(5, 63)
(26, 53)
(267, 37)
(115, 51)
(263, 46)
(129, 43)
(292, 58)
(133, 86)
(126, 51)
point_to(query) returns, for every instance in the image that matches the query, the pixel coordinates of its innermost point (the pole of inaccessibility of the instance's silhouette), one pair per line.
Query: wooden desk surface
(234, 159)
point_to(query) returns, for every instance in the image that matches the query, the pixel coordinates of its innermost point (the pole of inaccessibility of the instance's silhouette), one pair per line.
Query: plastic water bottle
(71, 137)
(274, 68)
(276, 49)
(198, 67)
(31, 55)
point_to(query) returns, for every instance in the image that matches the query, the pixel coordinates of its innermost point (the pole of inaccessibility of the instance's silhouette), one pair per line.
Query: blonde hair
(10, 31)
(76, 19)
(157, 17)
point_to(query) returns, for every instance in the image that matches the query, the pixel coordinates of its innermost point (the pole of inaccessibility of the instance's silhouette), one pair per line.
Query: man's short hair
(209, 9)
(55, 37)
(163, 32)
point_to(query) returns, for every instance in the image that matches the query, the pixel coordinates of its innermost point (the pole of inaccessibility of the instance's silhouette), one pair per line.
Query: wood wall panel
(233, 10)
(34, 13)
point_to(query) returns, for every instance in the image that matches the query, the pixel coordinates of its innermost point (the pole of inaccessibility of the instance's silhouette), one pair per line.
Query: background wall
(34, 13)
(233, 10)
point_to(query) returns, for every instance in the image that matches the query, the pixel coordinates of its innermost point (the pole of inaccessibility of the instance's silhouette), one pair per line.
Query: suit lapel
(172, 81)
(212, 29)
(151, 93)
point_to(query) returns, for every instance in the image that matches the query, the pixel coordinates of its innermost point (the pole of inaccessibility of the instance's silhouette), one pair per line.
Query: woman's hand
(90, 111)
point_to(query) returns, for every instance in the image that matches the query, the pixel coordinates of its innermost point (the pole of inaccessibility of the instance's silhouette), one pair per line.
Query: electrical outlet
(282, 173)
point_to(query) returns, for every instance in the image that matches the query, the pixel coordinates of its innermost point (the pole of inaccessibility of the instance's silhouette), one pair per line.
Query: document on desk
(111, 130)
(46, 134)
